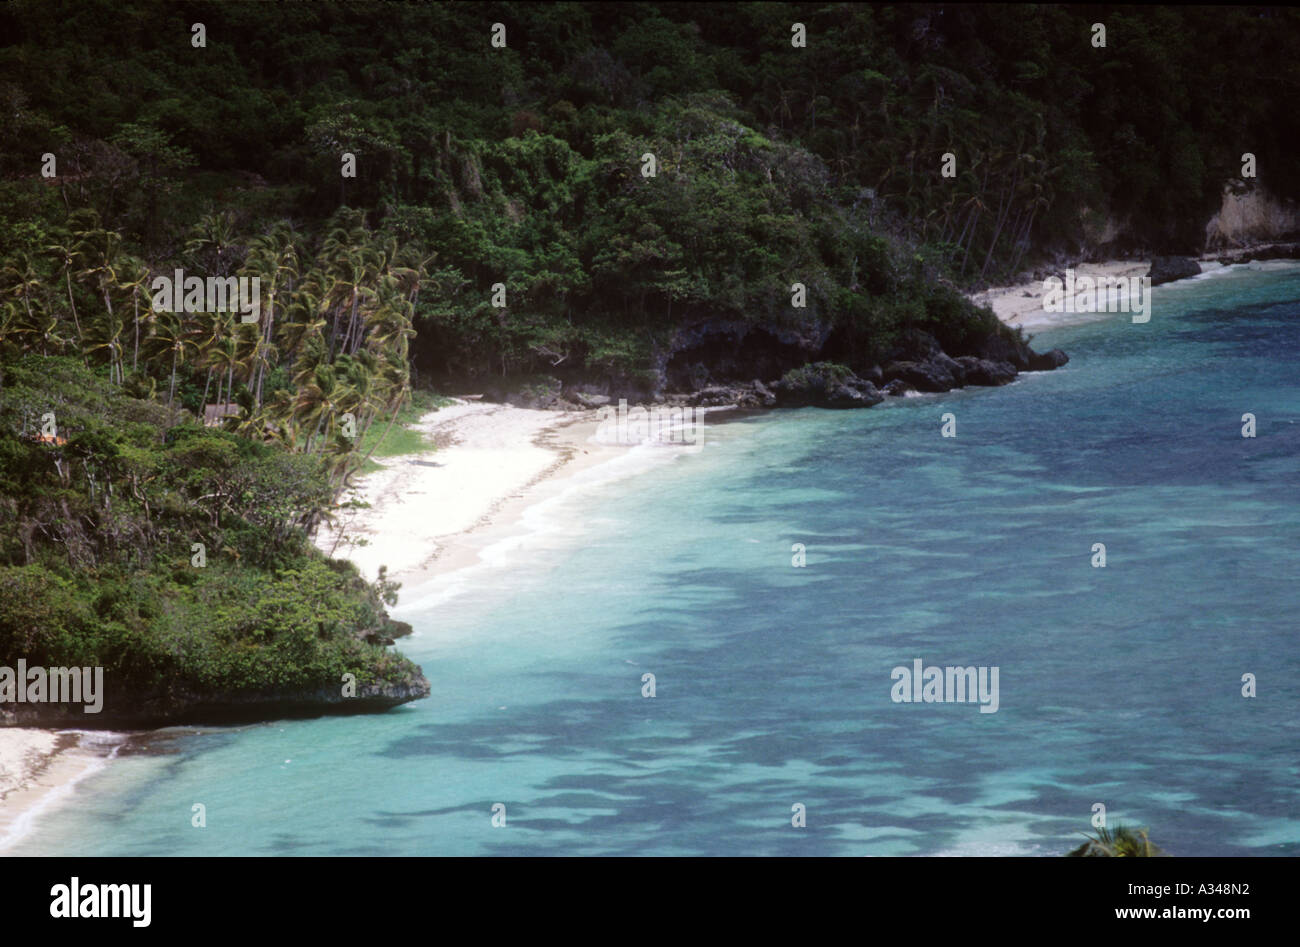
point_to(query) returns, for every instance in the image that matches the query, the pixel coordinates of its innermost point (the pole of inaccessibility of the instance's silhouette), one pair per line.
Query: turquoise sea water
(1119, 685)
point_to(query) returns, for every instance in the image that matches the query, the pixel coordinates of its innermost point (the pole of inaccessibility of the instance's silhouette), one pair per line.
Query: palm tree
(66, 256)
(223, 357)
(348, 264)
(171, 336)
(21, 279)
(301, 325)
(107, 335)
(10, 326)
(395, 382)
(135, 278)
(1122, 843)
(273, 257)
(99, 250)
(213, 245)
(41, 329)
(317, 401)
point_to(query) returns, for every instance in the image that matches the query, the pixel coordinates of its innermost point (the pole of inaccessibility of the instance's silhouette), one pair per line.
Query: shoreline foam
(491, 522)
(423, 506)
(39, 769)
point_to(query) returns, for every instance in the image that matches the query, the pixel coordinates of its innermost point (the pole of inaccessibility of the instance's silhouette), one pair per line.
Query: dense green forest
(515, 174)
(520, 165)
(175, 556)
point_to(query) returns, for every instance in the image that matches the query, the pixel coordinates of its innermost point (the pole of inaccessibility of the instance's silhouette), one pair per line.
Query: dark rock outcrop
(1047, 361)
(716, 396)
(1166, 269)
(718, 362)
(933, 374)
(825, 385)
(726, 351)
(134, 710)
(1005, 348)
(983, 371)
(1275, 251)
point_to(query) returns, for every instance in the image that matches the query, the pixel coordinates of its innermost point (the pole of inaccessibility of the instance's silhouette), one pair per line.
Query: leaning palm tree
(223, 358)
(172, 338)
(21, 280)
(65, 255)
(393, 388)
(106, 336)
(134, 278)
(317, 402)
(301, 327)
(41, 331)
(10, 327)
(99, 251)
(274, 258)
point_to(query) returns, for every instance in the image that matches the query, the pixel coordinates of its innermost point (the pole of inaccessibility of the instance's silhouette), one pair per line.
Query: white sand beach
(1022, 304)
(481, 471)
(23, 752)
(39, 769)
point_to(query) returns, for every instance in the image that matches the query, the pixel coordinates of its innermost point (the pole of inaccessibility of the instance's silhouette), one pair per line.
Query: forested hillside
(521, 165)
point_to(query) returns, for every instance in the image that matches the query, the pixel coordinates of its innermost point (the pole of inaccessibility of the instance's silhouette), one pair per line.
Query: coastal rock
(396, 629)
(845, 396)
(1276, 251)
(1047, 361)
(825, 385)
(1166, 269)
(933, 374)
(726, 351)
(717, 396)
(897, 388)
(866, 389)
(534, 391)
(1004, 348)
(590, 400)
(983, 371)
(536, 401)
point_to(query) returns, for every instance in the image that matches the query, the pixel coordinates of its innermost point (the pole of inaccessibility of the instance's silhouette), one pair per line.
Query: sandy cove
(1022, 304)
(39, 769)
(429, 512)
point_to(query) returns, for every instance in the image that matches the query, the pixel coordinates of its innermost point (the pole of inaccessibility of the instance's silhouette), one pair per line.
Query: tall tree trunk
(135, 304)
(80, 342)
